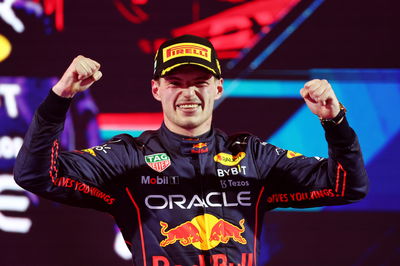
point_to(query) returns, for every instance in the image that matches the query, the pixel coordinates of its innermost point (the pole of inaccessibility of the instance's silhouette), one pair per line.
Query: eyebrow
(168, 78)
(172, 78)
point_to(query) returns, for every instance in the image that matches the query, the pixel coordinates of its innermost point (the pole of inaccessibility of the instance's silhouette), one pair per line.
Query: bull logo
(223, 231)
(204, 232)
(185, 233)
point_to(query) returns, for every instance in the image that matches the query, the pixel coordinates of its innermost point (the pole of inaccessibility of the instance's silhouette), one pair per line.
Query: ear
(220, 88)
(155, 89)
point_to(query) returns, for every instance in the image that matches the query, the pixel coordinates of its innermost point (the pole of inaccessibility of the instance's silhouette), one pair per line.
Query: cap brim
(165, 71)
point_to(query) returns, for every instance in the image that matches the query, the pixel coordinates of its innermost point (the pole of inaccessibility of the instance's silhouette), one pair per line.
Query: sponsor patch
(102, 148)
(225, 183)
(186, 49)
(158, 162)
(232, 171)
(204, 232)
(292, 154)
(213, 199)
(229, 159)
(90, 151)
(160, 180)
(199, 148)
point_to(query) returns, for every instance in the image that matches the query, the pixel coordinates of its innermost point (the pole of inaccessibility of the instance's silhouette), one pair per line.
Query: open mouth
(188, 106)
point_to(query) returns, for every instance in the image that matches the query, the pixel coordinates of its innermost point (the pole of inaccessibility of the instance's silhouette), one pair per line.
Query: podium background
(268, 49)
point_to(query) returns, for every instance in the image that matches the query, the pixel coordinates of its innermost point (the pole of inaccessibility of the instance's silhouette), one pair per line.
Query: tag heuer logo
(158, 162)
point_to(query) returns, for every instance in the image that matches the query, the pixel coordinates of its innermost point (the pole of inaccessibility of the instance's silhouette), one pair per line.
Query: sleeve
(293, 180)
(80, 178)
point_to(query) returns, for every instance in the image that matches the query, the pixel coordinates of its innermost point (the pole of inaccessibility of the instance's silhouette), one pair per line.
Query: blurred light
(5, 48)
(10, 92)
(120, 247)
(112, 124)
(14, 204)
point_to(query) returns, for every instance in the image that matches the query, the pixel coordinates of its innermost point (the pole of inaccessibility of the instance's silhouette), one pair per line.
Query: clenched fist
(320, 98)
(79, 76)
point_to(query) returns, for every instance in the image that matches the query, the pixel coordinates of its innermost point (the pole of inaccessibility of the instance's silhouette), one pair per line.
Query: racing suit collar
(187, 145)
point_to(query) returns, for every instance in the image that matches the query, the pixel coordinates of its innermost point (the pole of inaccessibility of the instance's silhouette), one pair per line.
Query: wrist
(335, 120)
(63, 91)
(54, 108)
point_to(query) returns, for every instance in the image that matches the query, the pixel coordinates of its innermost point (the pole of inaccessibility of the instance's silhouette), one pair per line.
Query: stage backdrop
(268, 50)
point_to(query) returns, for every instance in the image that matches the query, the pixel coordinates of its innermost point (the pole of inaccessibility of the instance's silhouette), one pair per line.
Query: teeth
(188, 105)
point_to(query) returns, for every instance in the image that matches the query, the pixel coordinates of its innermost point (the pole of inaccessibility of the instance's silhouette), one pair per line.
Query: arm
(79, 76)
(76, 178)
(293, 180)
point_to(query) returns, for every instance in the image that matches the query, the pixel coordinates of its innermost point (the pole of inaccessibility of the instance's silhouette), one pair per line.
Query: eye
(201, 83)
(174, 84)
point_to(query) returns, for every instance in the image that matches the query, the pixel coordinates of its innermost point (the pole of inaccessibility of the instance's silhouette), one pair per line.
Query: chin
(189, 123)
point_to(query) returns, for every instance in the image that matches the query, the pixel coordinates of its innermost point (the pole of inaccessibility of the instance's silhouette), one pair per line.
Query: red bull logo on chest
(204, 232)
(199, 148)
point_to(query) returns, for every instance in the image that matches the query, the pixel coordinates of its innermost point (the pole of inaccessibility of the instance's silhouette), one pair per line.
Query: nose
(189, 92)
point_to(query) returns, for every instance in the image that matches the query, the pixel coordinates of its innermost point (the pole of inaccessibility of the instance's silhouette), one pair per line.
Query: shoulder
(147, 136)
(137, 142)
(239, 140)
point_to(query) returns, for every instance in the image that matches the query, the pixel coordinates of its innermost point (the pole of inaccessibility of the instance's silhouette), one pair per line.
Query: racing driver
(188, 194)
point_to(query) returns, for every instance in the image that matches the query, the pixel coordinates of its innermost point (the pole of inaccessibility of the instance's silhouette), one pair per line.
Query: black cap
(186, 49)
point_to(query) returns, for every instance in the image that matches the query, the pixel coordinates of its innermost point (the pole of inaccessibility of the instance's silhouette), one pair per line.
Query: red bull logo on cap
(204, 232)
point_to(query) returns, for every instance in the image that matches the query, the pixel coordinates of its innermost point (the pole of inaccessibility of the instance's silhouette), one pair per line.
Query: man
(188, 194)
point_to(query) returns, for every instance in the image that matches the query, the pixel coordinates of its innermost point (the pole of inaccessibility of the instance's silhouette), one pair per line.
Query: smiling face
(187, 96)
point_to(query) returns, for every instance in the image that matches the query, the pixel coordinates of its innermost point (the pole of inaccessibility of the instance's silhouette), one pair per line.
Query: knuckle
(79, 57)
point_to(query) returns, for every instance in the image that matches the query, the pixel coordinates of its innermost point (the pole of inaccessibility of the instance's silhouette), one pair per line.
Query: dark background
(339, 34)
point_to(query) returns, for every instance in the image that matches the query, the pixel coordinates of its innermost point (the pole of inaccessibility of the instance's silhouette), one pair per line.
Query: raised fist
(320, 98)
(79, 76)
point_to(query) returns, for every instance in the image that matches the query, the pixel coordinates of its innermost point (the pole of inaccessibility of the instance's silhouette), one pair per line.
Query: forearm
(339, 179)
(35, 156)
(69, 177)
(346, 161)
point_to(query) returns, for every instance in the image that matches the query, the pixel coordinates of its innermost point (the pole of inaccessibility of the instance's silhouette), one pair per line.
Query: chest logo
(229, 159)
(204, 232)
(292, 154)
(158, 161)
(102, 148)
(199, 148)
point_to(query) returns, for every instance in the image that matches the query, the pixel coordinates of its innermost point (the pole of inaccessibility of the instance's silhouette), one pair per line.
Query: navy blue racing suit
(187, 201)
